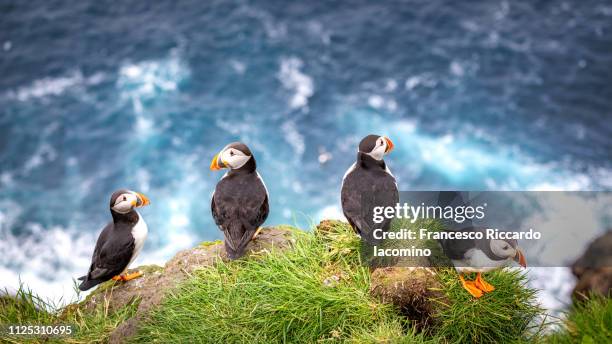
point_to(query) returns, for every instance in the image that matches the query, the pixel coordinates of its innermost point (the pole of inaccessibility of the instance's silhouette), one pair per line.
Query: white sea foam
(330, 212)
(554, 285)
(144, 180)
(275, 29)
(48, 87)
(44, 153)
(458, 158)
(294, 138)
(457, 69)
(45, 261)
(572, 220)
(140, 83)
(382, 103)
(316, 29)
(606, 10)
(238, 66)
(147, 78)
(425, 80)
(412, 82)
(376, 101)
(293, 79)
(48, 259)
(6, 179)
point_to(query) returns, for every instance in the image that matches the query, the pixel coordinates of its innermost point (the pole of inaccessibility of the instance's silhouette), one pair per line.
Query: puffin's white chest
(139, 232)
(476, 261)
(388, 170)
(264, 184)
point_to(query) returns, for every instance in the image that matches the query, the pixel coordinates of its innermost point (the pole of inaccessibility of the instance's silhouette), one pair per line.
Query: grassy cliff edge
(308, 287)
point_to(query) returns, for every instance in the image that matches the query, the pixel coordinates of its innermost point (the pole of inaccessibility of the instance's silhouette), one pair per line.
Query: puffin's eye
(124, 198)
(231, 153)
(506, 247)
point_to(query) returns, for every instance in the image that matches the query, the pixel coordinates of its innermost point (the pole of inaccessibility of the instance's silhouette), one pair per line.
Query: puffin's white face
(129, 200)
(382, 147)
(502, 249)
(229, 157)
(234, 158)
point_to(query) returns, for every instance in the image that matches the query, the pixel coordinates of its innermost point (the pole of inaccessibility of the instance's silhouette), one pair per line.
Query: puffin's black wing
(222, 216)
(239, 206)
(111, 256)
(261, 215)
(101, 240)
(362, 190)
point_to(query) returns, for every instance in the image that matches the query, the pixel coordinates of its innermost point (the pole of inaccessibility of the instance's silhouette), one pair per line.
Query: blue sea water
(99, 95)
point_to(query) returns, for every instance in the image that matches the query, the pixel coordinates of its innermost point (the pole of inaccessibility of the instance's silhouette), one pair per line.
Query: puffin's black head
(375, 146)
(506, 249)
(234, 156)
(124, 201)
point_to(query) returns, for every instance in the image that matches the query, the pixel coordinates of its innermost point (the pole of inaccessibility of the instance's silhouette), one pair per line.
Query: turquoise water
(95, 96)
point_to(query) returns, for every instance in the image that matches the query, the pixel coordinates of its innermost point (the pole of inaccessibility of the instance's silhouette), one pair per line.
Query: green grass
(505, 315)
(437, 257)
(25, 308)
(313, 292)
(587, 322)
(293, 296)
(316, 292)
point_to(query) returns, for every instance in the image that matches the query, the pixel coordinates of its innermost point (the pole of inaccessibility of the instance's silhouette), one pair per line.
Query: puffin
(480, 256)
(120, 242)
(369, 183)
(240, 201)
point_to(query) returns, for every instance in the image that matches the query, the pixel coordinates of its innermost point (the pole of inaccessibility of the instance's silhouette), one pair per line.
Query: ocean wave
(274, 29)
(425, 79)
(6, 179)
(554, 285)
(48, 86)
(382, 103)
(44, 153)
(141, 83)
(47, 260)
(146, 79)
(44, 259)
(557, 216)
(468, 156)
(294, 138)
(238, 66)
(467, 162)
(293, 79)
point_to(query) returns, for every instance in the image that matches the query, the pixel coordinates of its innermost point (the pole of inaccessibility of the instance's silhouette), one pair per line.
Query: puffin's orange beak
(142, 200)
(214, 164)
(389, 145)
(520, 258)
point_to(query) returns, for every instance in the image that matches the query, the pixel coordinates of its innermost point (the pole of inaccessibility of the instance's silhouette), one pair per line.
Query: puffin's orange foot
(471, 288)
(131, 276)
(127, 277)
(482, 284)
